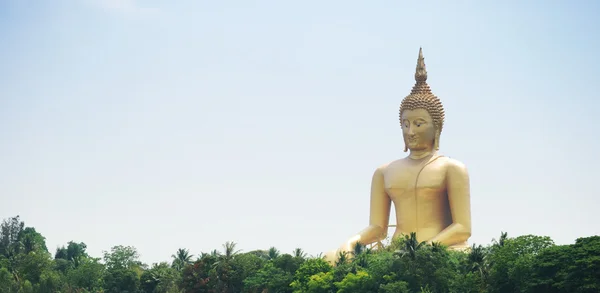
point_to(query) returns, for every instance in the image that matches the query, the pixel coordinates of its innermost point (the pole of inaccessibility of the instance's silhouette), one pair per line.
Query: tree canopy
(526, 263)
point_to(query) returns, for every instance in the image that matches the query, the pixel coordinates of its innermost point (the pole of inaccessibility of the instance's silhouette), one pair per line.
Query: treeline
(520, 264)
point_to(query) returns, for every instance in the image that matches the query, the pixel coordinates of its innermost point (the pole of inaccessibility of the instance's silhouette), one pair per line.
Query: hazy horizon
(186, 124)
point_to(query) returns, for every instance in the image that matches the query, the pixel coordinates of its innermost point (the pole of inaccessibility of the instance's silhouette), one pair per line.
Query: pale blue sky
(168, 124)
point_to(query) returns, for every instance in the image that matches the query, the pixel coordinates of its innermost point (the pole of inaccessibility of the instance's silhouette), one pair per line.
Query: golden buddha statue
(430, 192)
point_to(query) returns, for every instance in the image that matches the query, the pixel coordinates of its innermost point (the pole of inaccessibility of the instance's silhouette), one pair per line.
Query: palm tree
(478, 260)
(410, 245)
(360, 254)
(500, 242)
(181, 259)
(223, 267)
(273, 253)
(229, 249)
(437, 247)
(260, 253)
(342, 258)
(229, 253)
(358, 249)
(298, 252)
(318, 255)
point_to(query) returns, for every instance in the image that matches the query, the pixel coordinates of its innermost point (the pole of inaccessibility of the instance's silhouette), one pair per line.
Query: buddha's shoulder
(395, 164)
(452, 164)
(392, 163)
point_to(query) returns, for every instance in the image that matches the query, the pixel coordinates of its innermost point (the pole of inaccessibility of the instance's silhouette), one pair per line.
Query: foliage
(160, 278)
(181, 259)
(270, 278)
(525, 263)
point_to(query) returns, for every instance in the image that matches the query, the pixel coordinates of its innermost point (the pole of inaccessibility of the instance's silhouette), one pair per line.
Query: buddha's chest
(402, 178)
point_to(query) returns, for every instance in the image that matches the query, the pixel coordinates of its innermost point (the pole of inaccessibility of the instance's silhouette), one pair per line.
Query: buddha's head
(421, 114)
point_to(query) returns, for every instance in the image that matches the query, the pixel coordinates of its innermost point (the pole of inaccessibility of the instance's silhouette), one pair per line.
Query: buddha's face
(418, 129)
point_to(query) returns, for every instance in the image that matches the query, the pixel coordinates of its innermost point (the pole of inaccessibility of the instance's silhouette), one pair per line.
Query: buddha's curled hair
(429, 102)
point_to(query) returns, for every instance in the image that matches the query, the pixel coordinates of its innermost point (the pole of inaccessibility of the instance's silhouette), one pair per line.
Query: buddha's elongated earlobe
(436, 140)
(405, 147)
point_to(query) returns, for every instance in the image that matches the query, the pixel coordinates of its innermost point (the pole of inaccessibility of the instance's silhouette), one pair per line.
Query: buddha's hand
(346, 247)
(349, 245)
(331, 256)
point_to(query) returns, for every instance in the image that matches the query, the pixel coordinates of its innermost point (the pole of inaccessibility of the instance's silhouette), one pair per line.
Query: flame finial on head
(421, 87)
(421, 72)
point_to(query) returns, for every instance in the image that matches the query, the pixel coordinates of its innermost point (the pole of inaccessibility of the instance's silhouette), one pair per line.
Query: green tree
(410, 245)
(567, 268)
(244, 266)
(73, 251)
(313, 266)
(160, 278)
(23, 253)
(511, 263)
(122, 257)
(468, 276)
(30, 266)
(181, 259)
(123, 269)
(30, 240)
(361, 281)
(196, 278)
(319, 283)
(288, 263)
(269, 278)
(120, 280)
(88, 275)
(8, 283)
(500, 242)
(10, 229)
(394, 287)
(273, 253)
(584, 273)
(70, 256)
(527, 264)
(298, 252)
(51, 281)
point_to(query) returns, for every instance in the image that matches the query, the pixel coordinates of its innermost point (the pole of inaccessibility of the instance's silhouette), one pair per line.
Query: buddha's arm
(459, 199)
(379, 213)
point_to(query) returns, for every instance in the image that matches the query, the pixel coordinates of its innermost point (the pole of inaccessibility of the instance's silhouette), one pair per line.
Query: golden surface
(430, 192)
